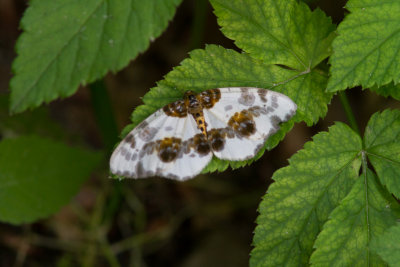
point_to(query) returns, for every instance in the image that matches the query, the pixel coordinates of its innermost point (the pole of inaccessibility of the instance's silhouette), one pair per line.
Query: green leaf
(382, 144)
(216, 67)
(38, 176)
(388, 246)
(303, 196)
(366, 50)
(390, 89)
(67, 43)
(278, 32)
(362, 215)
(321, 182)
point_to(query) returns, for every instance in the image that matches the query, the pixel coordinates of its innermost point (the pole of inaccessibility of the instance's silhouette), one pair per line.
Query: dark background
(207, 221)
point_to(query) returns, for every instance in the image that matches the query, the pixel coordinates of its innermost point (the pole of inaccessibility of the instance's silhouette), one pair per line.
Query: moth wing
(242, 119)
(162, 145)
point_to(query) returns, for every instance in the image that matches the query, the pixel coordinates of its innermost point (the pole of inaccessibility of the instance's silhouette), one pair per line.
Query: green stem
(349, 113)
(104, 114)
(108, 128)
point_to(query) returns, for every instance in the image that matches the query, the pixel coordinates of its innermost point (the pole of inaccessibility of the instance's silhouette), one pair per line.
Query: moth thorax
(192, 103)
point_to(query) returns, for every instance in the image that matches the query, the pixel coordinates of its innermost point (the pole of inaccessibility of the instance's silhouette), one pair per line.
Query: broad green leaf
(38, 176)
(302, 197)
(363, 214)
(216, 67)
(319, 184)
(278, 32)
(382, 144)
(390, 89)
(68, 43)
(366, 50)
(388, 246)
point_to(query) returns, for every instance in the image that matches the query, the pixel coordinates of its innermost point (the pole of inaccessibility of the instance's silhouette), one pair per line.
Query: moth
(180, 139)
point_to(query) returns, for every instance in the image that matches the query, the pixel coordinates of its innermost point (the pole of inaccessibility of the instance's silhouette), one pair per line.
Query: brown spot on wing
(169, 148)
(209, 98)
(200, 143)
(217, 139)
(243, 123)
(176, 109)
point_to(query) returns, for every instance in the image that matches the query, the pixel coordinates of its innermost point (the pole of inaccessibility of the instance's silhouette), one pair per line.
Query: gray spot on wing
(246, 98)
(274, 101)
(257, 111)
(270, 109)
(258, 148)
(262, 94)
(142, 125)
(168, 128)
(290, 115)
(148, 133)
(130, 139)
(228, 107)
(275, 120)
(141, 172)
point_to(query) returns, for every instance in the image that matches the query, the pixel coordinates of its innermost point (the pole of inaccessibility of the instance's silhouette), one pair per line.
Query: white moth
(180, 139)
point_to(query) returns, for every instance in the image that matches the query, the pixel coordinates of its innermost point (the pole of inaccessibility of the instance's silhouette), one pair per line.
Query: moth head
(189, 95)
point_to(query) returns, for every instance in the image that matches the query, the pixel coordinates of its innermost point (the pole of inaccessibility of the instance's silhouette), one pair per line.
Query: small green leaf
(302, 197)
(363, 214)
(383, 145)
(38, 176)
(67, 43)
(366, 50)
(278, 32)
(216, 67)
(388, 246)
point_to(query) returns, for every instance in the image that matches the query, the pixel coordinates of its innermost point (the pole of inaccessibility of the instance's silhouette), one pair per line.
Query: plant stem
(349, 113)
(104, 114)
(106, 211)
